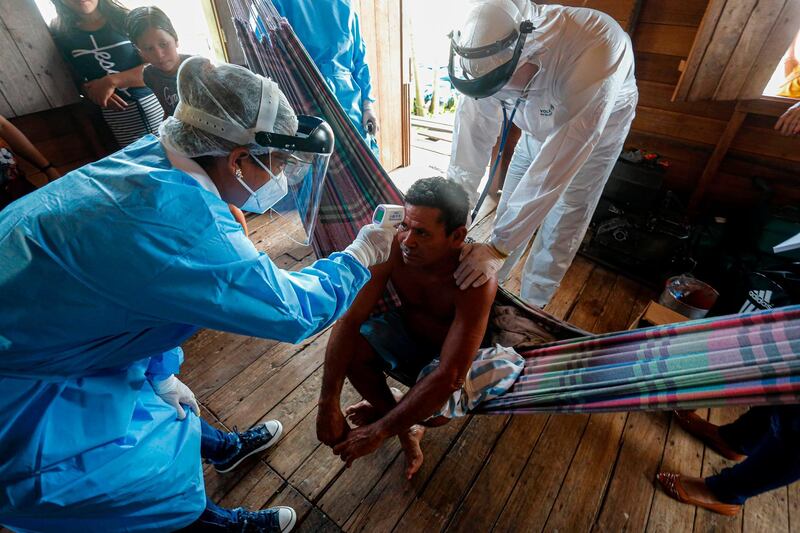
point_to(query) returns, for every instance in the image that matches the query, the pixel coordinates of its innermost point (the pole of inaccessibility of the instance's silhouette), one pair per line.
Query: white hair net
(223, 106)
(486, 22)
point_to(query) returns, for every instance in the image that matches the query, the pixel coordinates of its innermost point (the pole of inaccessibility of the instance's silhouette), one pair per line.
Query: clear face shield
(299, 163)
(296, 164)
(493, 81)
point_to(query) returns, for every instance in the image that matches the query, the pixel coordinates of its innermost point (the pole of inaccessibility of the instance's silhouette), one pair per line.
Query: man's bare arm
(459, 349)
(331, 424)
(345, 330)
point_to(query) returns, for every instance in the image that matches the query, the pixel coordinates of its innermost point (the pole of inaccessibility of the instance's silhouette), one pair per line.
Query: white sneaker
(287, 518)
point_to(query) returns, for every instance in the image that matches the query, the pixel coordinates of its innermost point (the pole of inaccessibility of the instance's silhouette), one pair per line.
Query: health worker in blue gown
(104, 272)
(331, 33)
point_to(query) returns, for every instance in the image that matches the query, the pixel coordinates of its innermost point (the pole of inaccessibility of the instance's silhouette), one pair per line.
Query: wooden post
(712, 166)
(405, 79)
(233, 51)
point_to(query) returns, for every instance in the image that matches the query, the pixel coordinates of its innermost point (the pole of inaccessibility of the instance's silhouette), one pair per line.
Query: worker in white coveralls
(565, 77)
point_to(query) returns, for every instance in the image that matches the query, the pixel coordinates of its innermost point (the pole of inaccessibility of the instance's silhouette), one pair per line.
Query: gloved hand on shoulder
(479, 263)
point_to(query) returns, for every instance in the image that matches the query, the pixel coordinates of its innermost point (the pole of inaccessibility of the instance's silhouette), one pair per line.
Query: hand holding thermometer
(388, 215)
(373, 244)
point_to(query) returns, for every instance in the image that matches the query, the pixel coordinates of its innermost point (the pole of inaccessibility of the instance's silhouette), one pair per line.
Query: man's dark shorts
(403, 356)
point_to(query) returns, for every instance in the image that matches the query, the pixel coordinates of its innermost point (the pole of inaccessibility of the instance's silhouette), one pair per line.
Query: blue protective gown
(102, 274)
(331, 33)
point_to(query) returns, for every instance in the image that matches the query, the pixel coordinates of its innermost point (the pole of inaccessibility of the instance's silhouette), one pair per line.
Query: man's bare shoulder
(387, 267)
(477, 299)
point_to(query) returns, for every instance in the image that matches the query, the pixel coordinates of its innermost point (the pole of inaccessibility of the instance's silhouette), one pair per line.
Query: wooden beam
(781, 34)
(634, 17)
(657, 67)
(676, 12)
(746, 53)
(701, 42)
(767, 142)
(718, 52)
(405, 91)
(679, 125)
(712, 166)
(657, 95)
(771, 106)
(217, 36)
(664, 39)
(406, 133)
(233, 50)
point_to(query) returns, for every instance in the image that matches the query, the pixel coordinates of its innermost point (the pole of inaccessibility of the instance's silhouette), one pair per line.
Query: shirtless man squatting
(436, 319)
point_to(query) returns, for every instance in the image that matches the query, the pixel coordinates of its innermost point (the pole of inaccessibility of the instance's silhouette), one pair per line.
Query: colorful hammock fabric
(751, 359)
(356, 182)
(744, 359)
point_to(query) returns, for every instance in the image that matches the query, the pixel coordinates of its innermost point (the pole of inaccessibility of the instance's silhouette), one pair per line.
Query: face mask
(268, 194)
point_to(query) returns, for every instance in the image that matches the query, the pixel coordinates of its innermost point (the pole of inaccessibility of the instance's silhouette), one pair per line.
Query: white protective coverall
(574, 121)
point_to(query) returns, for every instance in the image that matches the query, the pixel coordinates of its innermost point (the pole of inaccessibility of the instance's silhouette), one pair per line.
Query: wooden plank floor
(481, 473)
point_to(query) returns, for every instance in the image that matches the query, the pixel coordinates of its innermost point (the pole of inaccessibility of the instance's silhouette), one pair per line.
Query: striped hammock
(750, 359)
(356, 181)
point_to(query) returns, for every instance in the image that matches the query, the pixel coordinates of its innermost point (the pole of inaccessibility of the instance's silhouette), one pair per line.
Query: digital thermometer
(388, 215)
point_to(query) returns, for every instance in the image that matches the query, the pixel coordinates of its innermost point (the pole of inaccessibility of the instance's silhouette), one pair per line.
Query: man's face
(422, 236)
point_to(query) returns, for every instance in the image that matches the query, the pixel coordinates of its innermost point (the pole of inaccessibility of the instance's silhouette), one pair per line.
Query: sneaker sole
(269, 443)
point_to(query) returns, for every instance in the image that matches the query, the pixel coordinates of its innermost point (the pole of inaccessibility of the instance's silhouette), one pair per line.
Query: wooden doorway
(383, 31)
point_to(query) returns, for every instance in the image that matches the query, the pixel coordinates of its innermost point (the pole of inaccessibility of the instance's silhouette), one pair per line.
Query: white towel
(492, 373)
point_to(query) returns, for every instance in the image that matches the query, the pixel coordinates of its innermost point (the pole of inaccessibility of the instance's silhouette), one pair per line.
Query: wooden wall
(34, 77)
(38, 95)
(663, 32)
(686, 133)
(69, 137)
(381, 29)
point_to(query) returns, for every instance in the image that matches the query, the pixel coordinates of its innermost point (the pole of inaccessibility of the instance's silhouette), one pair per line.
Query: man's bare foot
(363, 413)
(410, 442)
(332, 427)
